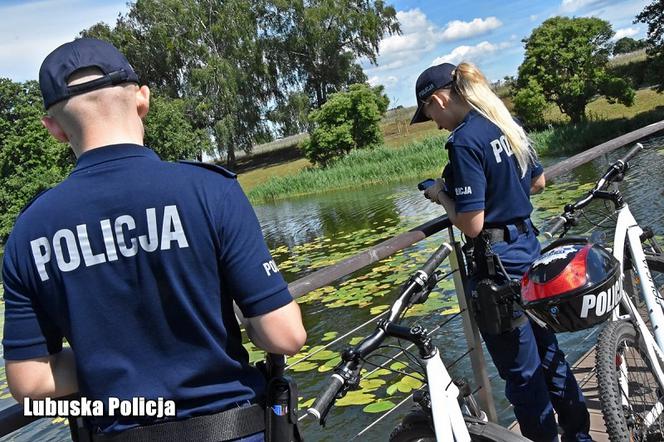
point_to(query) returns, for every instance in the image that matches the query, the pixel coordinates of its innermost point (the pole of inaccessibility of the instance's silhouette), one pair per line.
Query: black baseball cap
(82, 53)
(429, 81)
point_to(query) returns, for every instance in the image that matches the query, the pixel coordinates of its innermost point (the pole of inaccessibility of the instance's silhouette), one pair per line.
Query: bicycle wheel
(632, 409)
(417, 428)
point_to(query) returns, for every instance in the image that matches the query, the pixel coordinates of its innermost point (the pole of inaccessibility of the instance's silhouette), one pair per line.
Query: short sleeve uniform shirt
(483, 173)
(136, 262)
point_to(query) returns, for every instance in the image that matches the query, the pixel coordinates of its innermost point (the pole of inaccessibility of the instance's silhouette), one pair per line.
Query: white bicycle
(630, 348)
(448, 411)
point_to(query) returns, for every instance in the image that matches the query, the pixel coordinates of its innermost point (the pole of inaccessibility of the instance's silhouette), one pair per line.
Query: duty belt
(226, 425)
(507, 232)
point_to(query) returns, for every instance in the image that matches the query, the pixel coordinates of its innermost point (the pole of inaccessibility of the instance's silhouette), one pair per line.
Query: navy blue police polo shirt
(483, 173)
(136, 262)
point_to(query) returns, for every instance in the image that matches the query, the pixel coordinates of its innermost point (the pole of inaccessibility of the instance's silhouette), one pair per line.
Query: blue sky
(487, 32)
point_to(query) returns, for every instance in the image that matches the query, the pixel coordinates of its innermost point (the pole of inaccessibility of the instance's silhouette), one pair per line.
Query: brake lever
(422, 296)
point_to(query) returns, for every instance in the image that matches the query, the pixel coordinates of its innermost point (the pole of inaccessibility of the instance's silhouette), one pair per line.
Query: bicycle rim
(630, 396)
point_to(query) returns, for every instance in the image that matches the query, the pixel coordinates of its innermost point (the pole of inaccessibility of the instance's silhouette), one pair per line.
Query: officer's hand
(434, 192)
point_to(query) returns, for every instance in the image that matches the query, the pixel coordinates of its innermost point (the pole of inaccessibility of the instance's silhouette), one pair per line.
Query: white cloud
(471, 53)
(420, 36)
(533, 17)
(30, 30)
(575, 5)
(458, 30)
(388, 81)
(625, 32)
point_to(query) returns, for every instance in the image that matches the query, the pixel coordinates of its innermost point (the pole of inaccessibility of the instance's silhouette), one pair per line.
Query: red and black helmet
(573, 285)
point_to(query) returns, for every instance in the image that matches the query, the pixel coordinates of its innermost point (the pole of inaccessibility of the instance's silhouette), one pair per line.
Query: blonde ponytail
(473, 87)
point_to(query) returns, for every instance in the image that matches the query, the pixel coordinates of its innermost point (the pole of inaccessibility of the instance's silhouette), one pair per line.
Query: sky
(486, 32)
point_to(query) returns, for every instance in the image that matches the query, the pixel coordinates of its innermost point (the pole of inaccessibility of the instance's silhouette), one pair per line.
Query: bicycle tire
(421, 430)
(619, 343)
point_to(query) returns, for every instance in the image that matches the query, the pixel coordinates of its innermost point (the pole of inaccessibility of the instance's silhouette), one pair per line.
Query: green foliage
(323, 39)
(291, 114)
(653, 16)
(348, 120)
(626, 45)
(169, 133)
(639, 73)
(567, 57)
(234, 59)
(360, 167)
(30, 159)
(530, 104)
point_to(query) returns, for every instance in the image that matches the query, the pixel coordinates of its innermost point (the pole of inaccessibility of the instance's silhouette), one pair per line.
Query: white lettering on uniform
(109, 244)
(466, 190)
(270, 266)
(65, 244)
(501, 145)
(40, 258)
(171, 229)
(151, 242)
(72, 250)
(119, 233)
(88, 256)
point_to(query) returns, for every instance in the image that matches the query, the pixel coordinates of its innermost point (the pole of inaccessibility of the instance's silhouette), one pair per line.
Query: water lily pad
(378, 373)
(304, 366)
(329, 336)
(379, 406)
(356, 398)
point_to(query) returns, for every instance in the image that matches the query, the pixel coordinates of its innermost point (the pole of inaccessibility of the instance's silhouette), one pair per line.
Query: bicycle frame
(448, 421)
(628, 232)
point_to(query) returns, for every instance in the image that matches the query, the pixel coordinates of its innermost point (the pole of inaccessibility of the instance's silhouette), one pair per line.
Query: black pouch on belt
(494, 307)
(280, 403)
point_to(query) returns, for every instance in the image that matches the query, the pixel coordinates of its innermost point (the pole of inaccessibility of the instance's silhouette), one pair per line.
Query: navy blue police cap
(82, 53)
(429, 81)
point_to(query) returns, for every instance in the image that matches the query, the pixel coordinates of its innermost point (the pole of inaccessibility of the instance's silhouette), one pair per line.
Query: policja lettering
(66, 243)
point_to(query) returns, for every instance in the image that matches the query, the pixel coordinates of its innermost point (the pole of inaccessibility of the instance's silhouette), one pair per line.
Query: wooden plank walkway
(584, 372)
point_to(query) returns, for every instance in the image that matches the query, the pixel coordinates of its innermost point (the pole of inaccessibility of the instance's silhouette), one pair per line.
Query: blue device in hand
(424, 185)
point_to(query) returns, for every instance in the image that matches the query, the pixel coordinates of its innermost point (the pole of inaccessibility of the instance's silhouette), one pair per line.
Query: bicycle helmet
(572, 286)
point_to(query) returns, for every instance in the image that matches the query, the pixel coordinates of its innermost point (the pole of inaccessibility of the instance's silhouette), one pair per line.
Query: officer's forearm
(448, 204)
(52, 376)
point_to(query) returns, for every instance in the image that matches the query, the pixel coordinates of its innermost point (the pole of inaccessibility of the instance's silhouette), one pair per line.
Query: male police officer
(137, 262)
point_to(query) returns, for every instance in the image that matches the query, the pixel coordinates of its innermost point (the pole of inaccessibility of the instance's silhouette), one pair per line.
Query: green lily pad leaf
(306, 404)
(304, 366)
(379, 406)
(378, 309)
(398, 366)
(368, 385)
(355, 398)
(392, 389)
(329, 336)
(356, 340)
(378, 373)
(324, 355)
(411, 382)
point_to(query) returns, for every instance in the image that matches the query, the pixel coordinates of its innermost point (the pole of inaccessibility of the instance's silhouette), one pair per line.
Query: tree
(626, 45)
(653, 16)
(233, 60)
(290, 115)
(31, 161)
(327, 36)
(348, 120)
(169, 133)
(530, 104)
(567, 59)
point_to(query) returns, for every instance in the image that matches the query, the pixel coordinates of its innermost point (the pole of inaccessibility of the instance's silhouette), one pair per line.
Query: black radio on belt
(494, 306)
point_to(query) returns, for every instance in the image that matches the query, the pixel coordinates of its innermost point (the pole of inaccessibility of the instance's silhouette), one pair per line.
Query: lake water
(309, 233)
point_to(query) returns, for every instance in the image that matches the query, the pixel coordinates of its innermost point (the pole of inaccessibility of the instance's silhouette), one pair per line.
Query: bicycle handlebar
(349, 366)
(436, 259)
(324, 401)
(613, 173)
(555, 227)
(632, 153)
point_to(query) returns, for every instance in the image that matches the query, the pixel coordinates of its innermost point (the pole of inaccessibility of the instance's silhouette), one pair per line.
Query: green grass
(359, 168)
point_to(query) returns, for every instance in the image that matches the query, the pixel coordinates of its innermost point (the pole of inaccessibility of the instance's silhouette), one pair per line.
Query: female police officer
(485, 190)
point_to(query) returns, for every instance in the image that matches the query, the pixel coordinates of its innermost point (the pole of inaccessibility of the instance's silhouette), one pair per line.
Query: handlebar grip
(632, 153)
(555, 227)
(325, 400)
(436, 259)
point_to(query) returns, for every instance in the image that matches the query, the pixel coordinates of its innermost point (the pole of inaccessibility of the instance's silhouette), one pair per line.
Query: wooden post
(473, 338)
